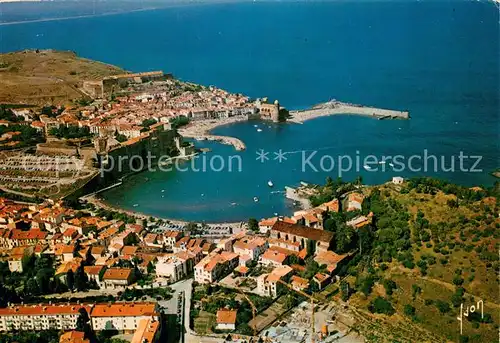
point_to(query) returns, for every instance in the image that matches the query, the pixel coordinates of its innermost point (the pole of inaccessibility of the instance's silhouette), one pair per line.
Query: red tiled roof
(123, 309)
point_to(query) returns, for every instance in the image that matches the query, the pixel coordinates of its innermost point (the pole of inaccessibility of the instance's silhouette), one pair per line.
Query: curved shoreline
(42, 20)
(99, 203)
(83, 16)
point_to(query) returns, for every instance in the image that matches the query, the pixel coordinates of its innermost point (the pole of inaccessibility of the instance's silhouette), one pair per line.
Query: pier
(336, 107)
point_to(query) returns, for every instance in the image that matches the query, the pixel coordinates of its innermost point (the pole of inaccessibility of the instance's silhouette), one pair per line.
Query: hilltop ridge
(38, 77)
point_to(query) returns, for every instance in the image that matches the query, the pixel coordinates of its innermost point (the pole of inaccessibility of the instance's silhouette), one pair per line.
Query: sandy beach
(200, 130)
(99, 203)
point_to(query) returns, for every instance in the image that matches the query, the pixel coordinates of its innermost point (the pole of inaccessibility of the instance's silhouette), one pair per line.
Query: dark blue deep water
(437, 59)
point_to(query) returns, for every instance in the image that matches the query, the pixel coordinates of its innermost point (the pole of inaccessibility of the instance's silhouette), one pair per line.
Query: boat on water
(381, 162)
(259, 130)
(162, 190)
(367, 167)
(135, 205)
(255, 199)
(270, 183)
(256, 125)
(391, 164)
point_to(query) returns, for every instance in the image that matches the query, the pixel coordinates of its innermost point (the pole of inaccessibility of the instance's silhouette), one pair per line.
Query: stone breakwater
(199, 130)
(337, 107)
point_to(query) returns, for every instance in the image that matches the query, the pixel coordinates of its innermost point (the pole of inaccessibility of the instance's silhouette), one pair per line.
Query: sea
(439, 60)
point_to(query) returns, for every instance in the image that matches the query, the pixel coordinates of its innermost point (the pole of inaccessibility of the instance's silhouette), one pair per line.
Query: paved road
(190, 336)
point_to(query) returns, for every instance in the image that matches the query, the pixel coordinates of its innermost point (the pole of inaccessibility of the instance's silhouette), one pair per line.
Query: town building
(123, 317)
(175, 267)
(215, 266)
(251, 246)
(331, 260)
(301, 235)
(117, 278)
(226, 320)
(40, 317)
(355, 201)
(148, 331)
(73, 337)
(269, 285)
(398, 180)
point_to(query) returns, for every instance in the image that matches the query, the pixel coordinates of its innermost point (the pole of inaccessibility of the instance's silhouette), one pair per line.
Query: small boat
(135, 205)
(255, 199)
(162, 190)
(270, 183)
(276, 213)
(233, 204)
(202, 194)
(256, 125)
(367, 167)
(163, 196)
(381, 162)
(259, 130)
(391, 164)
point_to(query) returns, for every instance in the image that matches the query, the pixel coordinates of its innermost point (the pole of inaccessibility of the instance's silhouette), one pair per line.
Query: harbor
(334, 107)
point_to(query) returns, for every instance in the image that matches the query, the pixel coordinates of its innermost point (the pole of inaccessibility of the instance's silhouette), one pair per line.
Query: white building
(269, 285)
(226, 320)
(40, 317)
(174, 267)
(397, 180)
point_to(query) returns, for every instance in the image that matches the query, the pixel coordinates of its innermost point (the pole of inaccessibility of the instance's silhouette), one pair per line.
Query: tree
(389, 286)
(70, 279)
(82, 322)
(343, 238)
(31, 287)
(344, 290)
(253, 224)
(442, 306)
(365, 285)
(409, 310)
(381, 305)
(81, 280)
(311, 247)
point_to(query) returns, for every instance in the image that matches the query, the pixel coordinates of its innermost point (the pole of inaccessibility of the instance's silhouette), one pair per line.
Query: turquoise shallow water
(439, 60)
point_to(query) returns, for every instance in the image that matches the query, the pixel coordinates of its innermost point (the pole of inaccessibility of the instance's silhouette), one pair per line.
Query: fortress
(101, 88)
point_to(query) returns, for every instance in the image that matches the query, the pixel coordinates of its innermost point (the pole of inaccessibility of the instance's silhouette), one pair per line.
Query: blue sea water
(437, 59)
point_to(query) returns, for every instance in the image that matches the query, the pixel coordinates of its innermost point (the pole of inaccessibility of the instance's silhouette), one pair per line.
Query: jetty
(237, 143)
(200, 131)
(337, 107)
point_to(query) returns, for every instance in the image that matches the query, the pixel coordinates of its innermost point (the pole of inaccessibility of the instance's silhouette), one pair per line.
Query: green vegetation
(48, 336)
(37, 278)
(179, 121)
(120, 138)
(146, 123)
(208, 299)
(27, 136)
(431, 246)
(71, 131)
(7, 114)
(253, 224)
(381, 305)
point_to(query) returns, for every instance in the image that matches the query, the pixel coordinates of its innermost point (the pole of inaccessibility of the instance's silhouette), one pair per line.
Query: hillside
(432, 246)
(47, 77)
